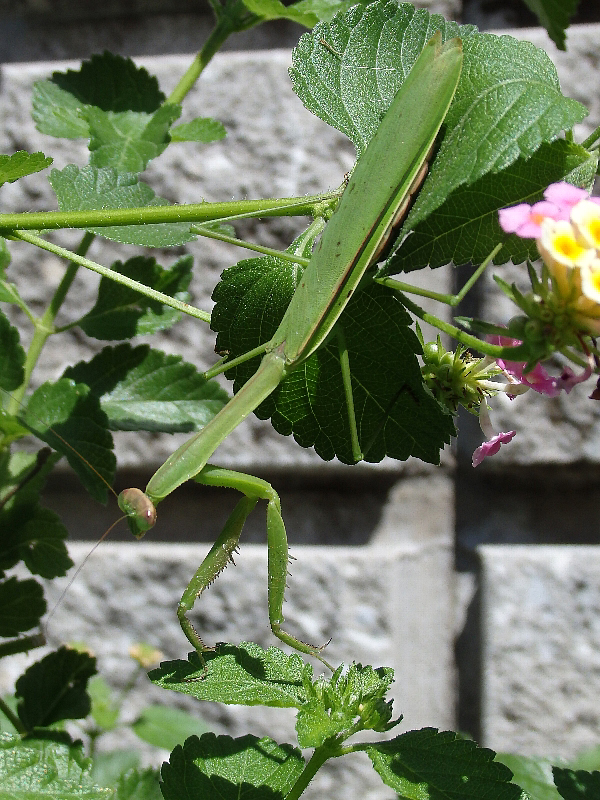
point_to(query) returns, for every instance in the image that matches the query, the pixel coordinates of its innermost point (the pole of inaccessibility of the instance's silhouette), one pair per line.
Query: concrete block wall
(382, 568)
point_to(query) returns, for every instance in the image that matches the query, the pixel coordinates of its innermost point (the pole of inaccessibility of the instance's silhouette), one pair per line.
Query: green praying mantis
(375, 199)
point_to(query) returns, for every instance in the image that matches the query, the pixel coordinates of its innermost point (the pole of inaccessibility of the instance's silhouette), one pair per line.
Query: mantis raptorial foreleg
(221, 554)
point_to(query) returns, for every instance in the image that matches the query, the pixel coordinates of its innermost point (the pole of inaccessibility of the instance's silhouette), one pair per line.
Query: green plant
(341, 368)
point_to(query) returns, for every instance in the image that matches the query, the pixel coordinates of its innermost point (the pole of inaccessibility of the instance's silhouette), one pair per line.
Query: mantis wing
(381, 182)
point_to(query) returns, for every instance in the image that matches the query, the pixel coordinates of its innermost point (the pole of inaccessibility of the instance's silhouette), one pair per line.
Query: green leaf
(54, 688)
(238, 675)
(508, 97)
(396, 415)
(465, 227)
(576, 784)
(28, 532)
(104, 709)
(68, 417)
(12, 356)
(143, 389)
(554, 15)
(533, 775)
(30, 770)
(57, 112)
(22, 605)
(200, 129)
(108, 767)
(166, 727)
(8, 291)
(21, 163)
(128, 140)
(275, 9)
(112, 83)
(441, 766)
(139, 785)
(222, 768)
(121, 313)
(350, 701)
(92, 188)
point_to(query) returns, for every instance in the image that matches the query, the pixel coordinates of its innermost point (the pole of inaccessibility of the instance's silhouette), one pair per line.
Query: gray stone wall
(376, 546)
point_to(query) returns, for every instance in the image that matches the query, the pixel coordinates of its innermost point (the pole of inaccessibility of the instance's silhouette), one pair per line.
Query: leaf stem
(591, 139)
(267, 251)
(12, 717)
(518, 353)
(147, 291)
(192, 212)
(21, 645)
(316, 761)
(223, 365)
(217, 37)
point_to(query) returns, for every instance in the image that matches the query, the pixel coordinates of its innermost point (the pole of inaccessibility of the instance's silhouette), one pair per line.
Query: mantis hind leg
(221, 553)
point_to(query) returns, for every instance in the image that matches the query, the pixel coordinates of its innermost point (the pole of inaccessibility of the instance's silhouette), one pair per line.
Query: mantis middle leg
(220, 554)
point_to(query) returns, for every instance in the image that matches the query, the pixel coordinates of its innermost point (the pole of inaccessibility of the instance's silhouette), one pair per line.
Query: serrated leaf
(395, 414)
(465, 228)
(113, 83)
(121, 313)
(128, 140)
(533, 775)
(576, 784)
(69, 418)
(238, 675)
(31, 769)
(22, 605)
(97, 188)
(20, 164)
(200, 129)
(441, 766)
(554, 15)
(143, 389)
(166, 727)
(353, 699)
(12, 356)
(222, 768)
(54, 688)
(35, 536)
(508, 97)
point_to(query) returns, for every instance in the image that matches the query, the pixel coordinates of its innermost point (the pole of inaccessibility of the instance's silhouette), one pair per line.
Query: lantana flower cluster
(566, 227)
(562, 311)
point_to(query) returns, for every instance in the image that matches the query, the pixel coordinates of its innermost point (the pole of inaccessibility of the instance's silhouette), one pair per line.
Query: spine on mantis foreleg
(191, 457)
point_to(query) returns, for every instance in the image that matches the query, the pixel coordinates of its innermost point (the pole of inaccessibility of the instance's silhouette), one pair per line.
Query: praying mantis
(376, 198)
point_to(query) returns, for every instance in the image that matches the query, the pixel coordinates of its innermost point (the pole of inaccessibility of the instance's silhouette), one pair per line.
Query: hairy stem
(178, 305)
(259, 248)
(192, 212)
(217, 37)
(12, 717)
(318, 758)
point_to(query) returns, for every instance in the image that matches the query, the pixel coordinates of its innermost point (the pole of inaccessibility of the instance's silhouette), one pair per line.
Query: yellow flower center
(567, 246)
(594, 229)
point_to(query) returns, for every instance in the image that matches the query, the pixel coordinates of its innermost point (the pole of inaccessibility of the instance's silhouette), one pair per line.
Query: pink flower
(565, 196)
(537, 378)
(525, 220)
(569, 379)
(491, 447)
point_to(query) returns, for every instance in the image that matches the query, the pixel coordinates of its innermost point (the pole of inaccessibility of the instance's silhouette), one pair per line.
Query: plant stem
(44, 326)
(14, 720)
(192, 212)
(318, 758)
(592, 138)
(22, 645)
(218, 35)
(268, 251)
(518, 353)
(178, 305)
(223, 365)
